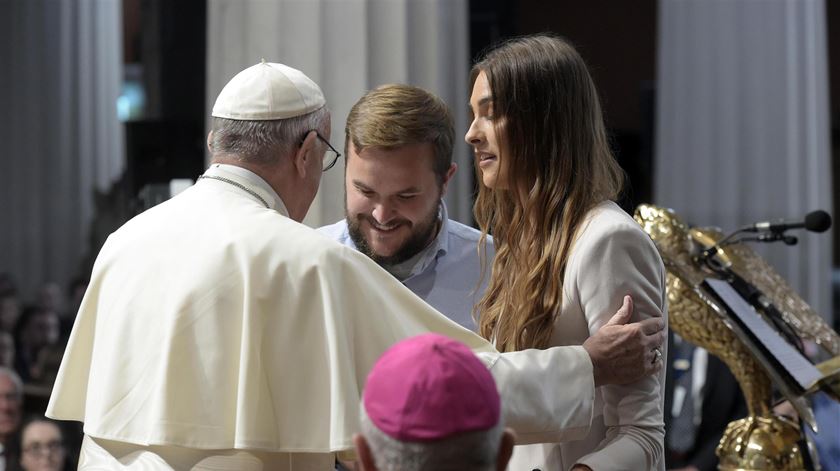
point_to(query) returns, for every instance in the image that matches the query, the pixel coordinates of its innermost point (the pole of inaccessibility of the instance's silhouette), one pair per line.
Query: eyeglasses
(39, 448)
(331, 156)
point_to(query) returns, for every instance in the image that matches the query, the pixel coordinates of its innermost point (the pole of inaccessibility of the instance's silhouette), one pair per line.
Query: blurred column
(742, 131)
(62, 72)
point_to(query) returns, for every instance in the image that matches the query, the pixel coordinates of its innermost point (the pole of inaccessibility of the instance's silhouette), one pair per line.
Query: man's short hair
(263, 142)
(394, 115)
(468, 451)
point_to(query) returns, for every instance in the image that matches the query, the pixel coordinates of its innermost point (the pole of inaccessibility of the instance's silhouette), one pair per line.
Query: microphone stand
(758, 300)
(772, 236)
(747, 290)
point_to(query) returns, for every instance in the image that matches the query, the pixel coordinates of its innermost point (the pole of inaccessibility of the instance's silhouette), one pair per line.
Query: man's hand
(622, 353)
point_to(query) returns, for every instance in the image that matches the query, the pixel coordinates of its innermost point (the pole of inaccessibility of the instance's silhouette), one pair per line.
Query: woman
(566, 254)
(42, 446)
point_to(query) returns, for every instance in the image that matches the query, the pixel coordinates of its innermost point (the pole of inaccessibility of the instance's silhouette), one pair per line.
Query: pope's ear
(304, 153)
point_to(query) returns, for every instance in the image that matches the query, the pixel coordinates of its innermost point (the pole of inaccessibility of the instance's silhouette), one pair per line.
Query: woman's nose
(472, 137)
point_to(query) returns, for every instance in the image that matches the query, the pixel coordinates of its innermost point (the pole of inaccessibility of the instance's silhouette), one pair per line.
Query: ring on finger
(656, 355)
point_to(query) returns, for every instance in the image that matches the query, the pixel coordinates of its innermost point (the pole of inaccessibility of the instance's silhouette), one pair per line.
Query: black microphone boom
(815, 221)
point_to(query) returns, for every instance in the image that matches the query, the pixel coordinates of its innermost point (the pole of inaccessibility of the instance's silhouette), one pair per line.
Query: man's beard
(421, 234)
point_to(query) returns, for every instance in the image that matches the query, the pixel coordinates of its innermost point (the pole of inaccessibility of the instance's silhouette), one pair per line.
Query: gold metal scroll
(762, 441)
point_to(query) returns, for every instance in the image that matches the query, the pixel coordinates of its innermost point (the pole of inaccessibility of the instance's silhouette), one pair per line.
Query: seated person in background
(75, 294)
(9, 309)
(47, 362)
(42, 446)
(430, 404)
(7, 349)
(701, 398)
(11, 405)
(37, 328)
(51, 296)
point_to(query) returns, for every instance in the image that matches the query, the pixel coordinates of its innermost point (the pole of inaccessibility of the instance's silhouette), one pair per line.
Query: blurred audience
(11, 406)
(42, 446)
(45, 368)
(37, 328)
(51, 297)
(32, 341)
(9, 310)
(7, 349)
(75, 294)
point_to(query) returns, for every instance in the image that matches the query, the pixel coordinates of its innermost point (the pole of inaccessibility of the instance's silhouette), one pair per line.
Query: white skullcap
(268, 91)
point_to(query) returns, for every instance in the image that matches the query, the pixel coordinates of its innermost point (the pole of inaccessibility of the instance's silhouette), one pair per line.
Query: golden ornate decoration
(762, 441)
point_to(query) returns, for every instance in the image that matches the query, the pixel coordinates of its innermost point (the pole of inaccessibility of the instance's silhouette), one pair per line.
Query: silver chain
(238, 185)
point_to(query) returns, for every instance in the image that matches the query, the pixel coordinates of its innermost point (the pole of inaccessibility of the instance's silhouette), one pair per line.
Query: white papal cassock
(215, 323)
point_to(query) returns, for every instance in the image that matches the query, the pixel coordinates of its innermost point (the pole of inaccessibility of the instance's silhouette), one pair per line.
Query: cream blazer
(213, 322)
(611, 257)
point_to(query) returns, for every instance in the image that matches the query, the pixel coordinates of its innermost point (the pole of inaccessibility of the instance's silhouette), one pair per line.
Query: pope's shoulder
(186, 220)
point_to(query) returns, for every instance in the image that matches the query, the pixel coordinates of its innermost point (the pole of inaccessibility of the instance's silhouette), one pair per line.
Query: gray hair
(469, 451)
(15, 378)
(263, 142)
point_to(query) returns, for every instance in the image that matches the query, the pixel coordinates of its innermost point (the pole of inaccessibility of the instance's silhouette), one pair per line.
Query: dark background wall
(618, 42)
(165, 48)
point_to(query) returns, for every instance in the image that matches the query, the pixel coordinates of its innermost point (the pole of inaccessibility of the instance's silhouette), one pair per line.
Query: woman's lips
(486, 159)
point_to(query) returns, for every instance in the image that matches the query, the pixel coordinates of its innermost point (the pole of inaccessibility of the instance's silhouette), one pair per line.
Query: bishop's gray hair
(14, 378)
(263, 142)
(469, 451)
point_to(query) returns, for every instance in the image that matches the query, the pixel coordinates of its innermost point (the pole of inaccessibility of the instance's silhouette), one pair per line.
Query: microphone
(815, 221)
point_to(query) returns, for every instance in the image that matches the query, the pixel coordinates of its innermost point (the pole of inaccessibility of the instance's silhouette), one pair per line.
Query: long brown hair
(559, 166)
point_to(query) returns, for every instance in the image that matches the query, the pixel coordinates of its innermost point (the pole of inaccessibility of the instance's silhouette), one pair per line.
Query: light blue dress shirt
(447, 274)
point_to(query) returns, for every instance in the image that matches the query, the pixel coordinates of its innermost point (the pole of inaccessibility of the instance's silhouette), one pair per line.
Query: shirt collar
(252, 182)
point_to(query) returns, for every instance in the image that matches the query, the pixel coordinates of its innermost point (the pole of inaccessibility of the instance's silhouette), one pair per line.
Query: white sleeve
(547, 395)
(615, 261)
